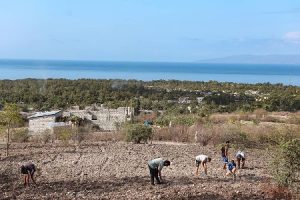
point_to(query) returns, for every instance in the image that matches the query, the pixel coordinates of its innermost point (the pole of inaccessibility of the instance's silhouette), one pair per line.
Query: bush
(180, 133)
(63, 133)
(46, 137)
(20, 135)
(137, 132)
(80, 134)
(162, 134)
(286, 164)
(202, 134)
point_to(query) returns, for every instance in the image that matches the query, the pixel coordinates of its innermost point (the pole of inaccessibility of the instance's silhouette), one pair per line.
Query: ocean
(147, 71)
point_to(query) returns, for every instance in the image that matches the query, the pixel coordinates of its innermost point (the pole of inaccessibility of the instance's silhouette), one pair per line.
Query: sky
(147, 30)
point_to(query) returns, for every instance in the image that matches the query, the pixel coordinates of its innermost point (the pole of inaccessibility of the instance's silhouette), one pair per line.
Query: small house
(42, 121)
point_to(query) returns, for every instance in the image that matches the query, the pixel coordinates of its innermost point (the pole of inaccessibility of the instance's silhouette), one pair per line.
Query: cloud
(293, 36)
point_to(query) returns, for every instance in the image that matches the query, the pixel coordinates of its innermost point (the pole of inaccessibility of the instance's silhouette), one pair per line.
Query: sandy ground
(119, 171)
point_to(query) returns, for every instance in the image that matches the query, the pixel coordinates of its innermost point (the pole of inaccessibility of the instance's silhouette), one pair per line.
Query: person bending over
(202, 160)
(231, 169)
(155, 167)
(28, 169)
(240, 157)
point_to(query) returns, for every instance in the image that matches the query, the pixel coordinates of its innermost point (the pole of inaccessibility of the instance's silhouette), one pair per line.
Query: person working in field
(231, 169)
(28, 169)
(202, 160)
(155, 167)
(240, 157)
(224, 154)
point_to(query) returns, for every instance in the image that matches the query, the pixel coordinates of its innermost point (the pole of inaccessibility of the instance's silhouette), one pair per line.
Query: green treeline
(46, 94)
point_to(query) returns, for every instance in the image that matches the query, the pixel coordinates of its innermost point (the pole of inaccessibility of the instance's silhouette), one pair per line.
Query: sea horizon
(286, 74)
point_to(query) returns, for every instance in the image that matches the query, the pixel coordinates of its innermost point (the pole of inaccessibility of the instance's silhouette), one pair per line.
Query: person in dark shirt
(224, 154)
(28, 169)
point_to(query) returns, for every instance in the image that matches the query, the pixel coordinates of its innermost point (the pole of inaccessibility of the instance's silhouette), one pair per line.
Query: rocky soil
(119, 171)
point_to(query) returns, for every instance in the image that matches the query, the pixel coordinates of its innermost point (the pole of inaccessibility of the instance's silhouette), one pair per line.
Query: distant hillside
(256, 59)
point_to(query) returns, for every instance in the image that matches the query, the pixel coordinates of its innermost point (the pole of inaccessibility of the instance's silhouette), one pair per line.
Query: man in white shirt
(202, 160)
(155, 167)
(240, 156)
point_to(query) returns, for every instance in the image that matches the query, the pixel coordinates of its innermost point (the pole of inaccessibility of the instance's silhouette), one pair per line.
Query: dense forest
(47, 94)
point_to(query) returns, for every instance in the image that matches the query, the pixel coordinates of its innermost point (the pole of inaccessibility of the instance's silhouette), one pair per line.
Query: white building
(105, 118)
(200, 99)
(42, 121)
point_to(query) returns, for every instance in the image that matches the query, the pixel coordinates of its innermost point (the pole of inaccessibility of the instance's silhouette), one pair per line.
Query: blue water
(239, 73)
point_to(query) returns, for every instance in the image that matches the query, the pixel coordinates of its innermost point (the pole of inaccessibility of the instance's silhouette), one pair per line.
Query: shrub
(80, 134)
(137, 132)
(46, 137)
(162, 134)
(294, 119)
(20, 135)
(286, 164)
(162, 121)
(202, 134)
(180, 133)
(63, 133)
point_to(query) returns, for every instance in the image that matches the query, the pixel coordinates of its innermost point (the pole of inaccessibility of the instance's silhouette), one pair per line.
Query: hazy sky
(147, 30)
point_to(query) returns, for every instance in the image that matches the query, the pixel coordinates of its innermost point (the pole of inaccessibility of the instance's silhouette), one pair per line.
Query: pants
(154, 174)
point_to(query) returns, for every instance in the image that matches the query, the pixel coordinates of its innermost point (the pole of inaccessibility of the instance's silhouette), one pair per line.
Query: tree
(138, 132)
(9, 118)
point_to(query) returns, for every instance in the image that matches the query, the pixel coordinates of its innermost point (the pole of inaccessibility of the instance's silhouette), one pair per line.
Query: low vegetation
(137, 133)
(153, 95)
(286, 164)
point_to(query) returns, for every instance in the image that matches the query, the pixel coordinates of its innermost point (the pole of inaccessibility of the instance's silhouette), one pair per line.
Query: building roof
(43, 114)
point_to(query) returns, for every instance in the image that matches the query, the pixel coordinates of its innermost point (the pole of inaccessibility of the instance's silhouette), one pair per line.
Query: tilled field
(119, 171)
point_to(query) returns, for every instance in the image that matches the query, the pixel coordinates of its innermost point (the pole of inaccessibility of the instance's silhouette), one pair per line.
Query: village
(102, 118)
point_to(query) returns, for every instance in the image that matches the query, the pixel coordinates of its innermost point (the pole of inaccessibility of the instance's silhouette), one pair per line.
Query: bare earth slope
(120, 171)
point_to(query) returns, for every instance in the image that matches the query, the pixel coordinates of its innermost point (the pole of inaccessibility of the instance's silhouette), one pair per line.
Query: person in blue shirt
(231, 169)
(155, 167)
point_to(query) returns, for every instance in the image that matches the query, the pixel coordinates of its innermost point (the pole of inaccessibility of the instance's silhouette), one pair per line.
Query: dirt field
(119, 171)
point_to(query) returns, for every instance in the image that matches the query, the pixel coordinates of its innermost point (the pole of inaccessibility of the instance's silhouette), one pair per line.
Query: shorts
(225, 159)
(239, 157)
(25, 170)
(230, 169)
(198, 163)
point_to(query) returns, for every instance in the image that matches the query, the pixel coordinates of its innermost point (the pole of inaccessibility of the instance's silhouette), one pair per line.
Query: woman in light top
(202, 160)
(240, 156)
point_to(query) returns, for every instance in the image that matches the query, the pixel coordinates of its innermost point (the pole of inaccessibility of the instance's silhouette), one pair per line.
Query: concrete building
(105, 118)
(200, 99)
(184, 100)
(42, 121)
